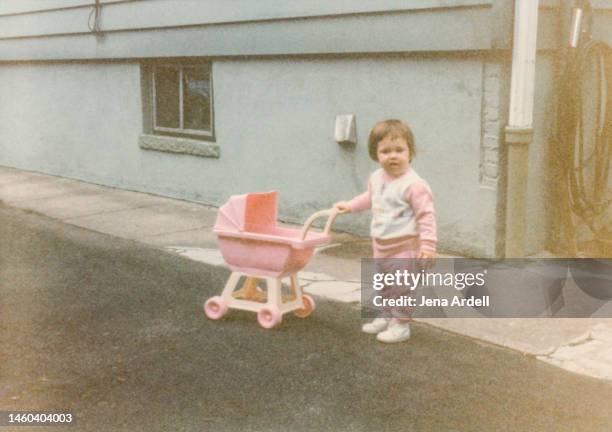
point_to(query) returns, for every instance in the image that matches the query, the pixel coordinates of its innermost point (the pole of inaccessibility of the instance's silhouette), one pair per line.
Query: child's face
(393, 155)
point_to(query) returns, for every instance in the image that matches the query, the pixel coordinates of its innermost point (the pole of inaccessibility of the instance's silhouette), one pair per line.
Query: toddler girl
(403, 217)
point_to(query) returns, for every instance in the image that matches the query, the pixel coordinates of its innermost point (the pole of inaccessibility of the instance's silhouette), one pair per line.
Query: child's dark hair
(394, 129)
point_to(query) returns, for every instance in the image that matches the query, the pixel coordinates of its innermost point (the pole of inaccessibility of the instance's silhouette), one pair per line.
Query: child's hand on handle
(342, 207)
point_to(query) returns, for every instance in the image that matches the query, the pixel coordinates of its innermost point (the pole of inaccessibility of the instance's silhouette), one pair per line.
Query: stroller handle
(332, 213)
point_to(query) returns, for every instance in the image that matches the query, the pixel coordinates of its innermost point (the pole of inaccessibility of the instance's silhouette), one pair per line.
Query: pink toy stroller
(255, 248)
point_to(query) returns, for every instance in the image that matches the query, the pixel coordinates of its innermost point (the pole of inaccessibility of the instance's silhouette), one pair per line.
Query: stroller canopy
(252, 212)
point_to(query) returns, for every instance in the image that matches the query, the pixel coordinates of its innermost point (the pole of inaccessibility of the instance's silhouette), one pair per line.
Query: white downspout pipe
(523, 64)
(519, 131)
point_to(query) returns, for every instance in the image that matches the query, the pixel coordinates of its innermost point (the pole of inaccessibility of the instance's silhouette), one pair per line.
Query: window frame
(208, 135)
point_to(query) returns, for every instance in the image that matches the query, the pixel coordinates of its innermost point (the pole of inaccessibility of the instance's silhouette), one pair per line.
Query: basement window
(178, 107)
(182, 99)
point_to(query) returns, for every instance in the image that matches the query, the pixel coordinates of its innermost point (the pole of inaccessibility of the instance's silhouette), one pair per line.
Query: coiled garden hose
(586, 145)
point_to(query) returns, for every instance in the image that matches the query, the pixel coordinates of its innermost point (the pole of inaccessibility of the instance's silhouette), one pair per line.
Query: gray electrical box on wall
(345, 131)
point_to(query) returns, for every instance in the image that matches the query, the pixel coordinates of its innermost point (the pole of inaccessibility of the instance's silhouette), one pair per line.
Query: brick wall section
(489, 145)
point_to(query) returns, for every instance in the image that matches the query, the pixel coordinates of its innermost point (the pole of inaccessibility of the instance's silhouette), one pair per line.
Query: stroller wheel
(309, 307)
(215, 308)
(269, 316)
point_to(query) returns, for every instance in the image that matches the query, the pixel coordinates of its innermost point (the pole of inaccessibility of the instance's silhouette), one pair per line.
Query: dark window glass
(167, 109)
(196, 98)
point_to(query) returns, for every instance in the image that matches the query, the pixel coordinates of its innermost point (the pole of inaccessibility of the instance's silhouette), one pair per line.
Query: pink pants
(405, 248)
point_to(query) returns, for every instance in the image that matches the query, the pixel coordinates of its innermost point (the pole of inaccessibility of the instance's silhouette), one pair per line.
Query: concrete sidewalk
(583, 346)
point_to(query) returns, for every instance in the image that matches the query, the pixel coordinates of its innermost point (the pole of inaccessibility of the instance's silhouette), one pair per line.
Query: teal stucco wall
(274, 121)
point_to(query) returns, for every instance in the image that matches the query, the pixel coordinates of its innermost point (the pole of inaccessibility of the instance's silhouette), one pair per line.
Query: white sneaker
(376, 326)
(397, 331)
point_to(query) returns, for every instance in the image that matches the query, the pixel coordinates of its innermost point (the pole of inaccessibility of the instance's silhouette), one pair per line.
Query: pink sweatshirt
(420, 198)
